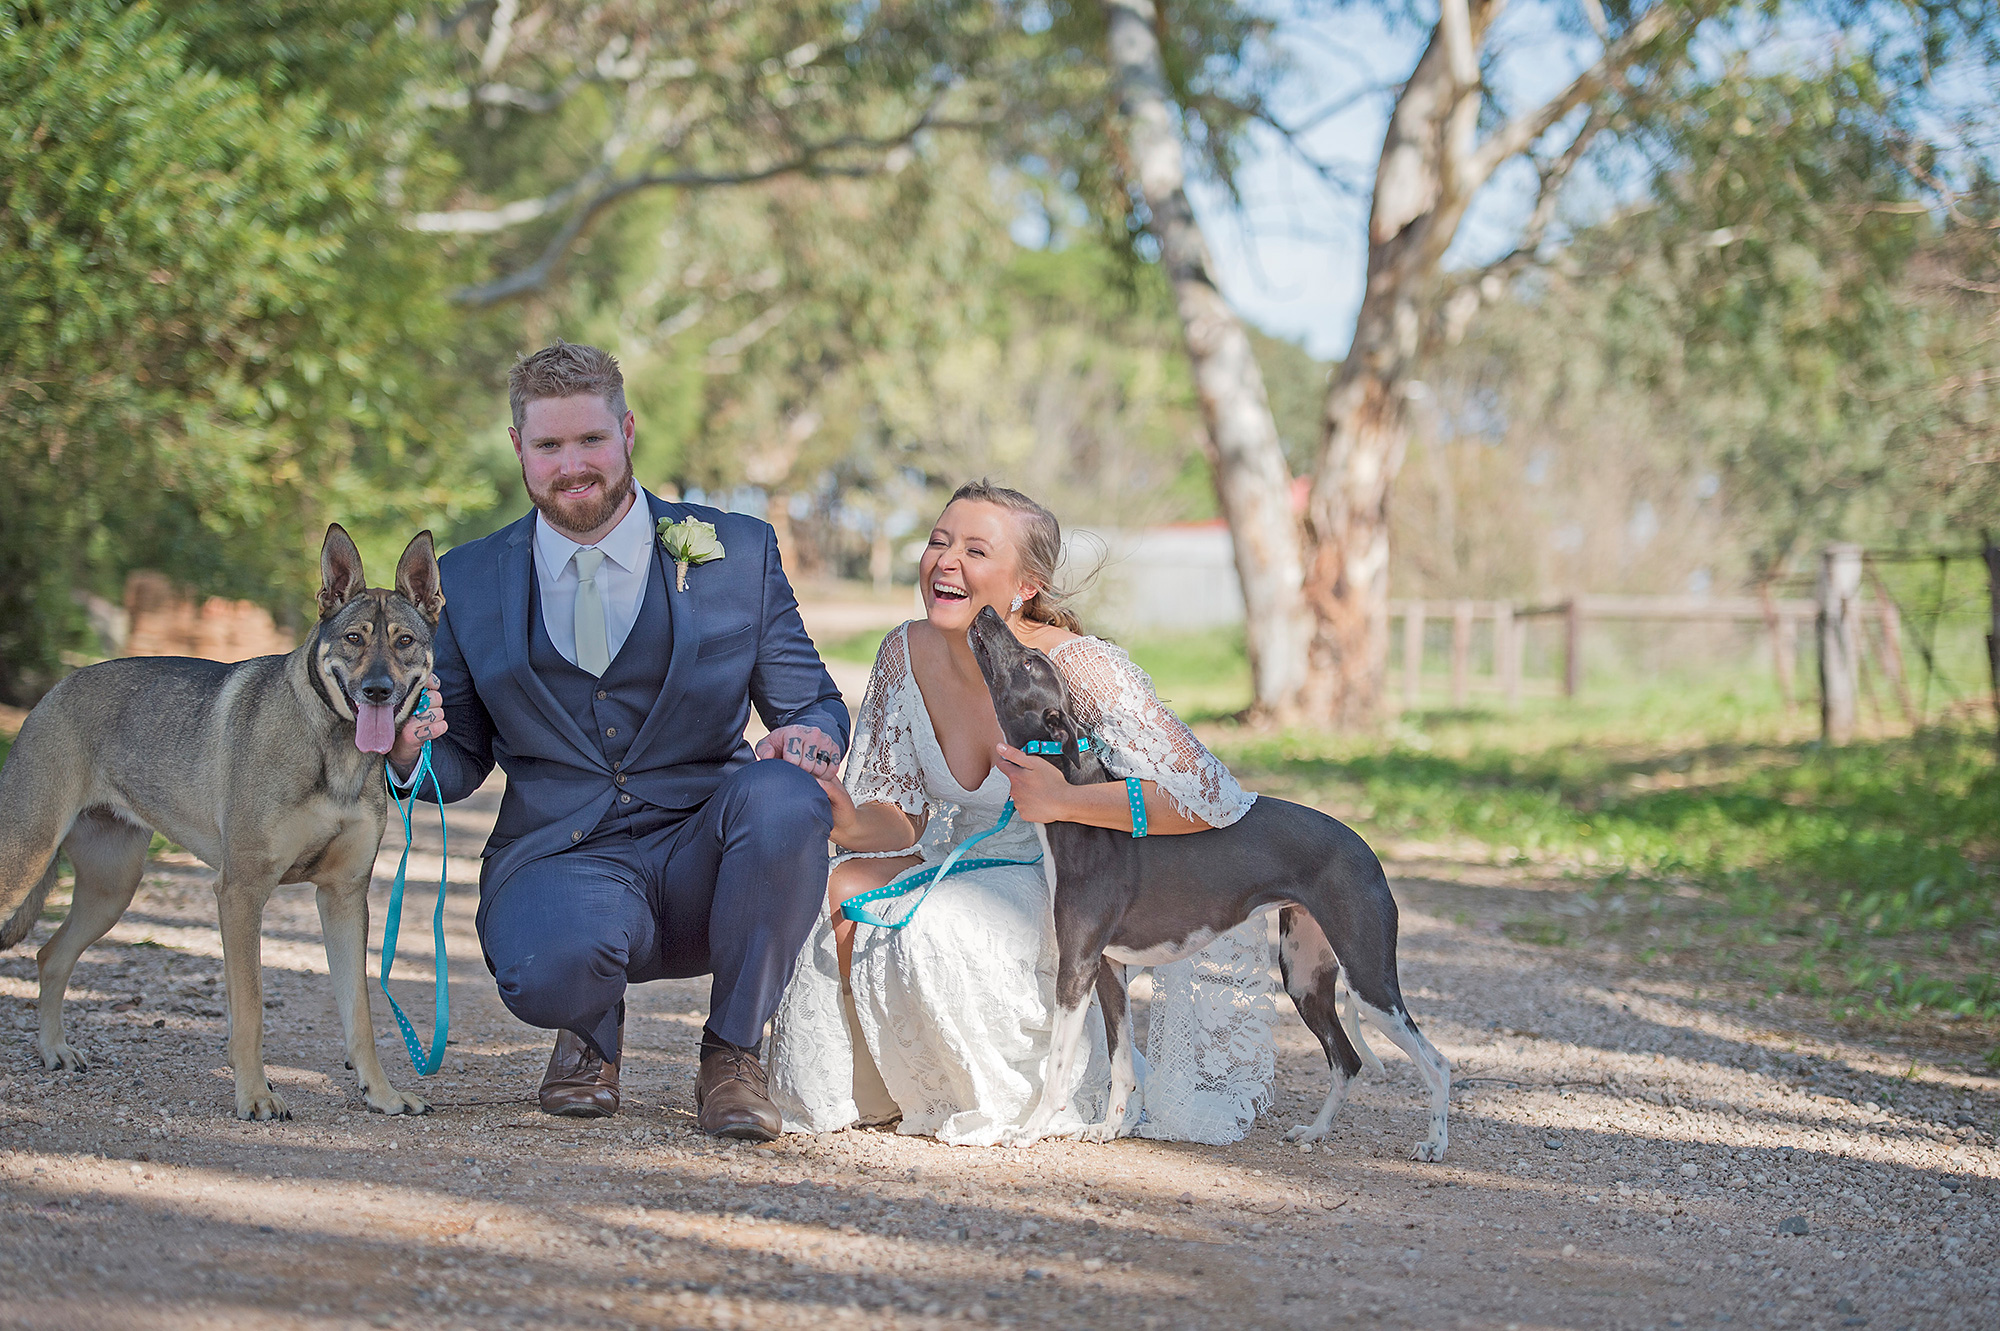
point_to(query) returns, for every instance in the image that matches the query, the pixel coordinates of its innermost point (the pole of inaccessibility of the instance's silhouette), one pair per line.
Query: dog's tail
(1350, 1021)
(22, 921)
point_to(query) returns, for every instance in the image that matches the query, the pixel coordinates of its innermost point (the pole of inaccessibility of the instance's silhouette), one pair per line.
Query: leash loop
(856, 907)
(425, 1063)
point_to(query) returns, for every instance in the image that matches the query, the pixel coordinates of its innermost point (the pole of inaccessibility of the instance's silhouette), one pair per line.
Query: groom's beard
(581, 514)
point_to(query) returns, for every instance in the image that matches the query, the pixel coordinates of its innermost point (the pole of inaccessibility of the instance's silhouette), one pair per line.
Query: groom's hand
(808, 747)
(425, 725)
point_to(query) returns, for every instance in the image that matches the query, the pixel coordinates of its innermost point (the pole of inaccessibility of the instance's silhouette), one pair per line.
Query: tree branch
(809, 161)
(483, 221)
(1547, 194)
(1327, 172)
(1519, 133)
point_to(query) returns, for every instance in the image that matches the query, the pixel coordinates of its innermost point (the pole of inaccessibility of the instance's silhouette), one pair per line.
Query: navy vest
(612, 708)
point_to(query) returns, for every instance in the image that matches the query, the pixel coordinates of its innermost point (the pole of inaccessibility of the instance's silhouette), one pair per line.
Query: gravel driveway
(1628, 1150)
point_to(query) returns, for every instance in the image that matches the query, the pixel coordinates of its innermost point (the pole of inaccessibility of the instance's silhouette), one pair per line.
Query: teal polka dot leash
(924, 878)
(425, 1063)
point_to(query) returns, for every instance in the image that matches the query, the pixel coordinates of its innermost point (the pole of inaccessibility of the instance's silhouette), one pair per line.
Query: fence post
(1461, 654)
(1413, 653)
(1992, 553)
(1506, 659)
(1573, 647)
(1838, 591)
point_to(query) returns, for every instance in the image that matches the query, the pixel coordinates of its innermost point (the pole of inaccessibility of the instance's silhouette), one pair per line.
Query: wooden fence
(1851, 627)
(1851, 615)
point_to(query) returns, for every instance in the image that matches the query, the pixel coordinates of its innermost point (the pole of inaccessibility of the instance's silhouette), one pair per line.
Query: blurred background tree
(213, 330)
(266, 265)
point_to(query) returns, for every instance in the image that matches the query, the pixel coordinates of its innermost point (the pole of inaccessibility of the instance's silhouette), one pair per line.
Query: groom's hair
(567, 369)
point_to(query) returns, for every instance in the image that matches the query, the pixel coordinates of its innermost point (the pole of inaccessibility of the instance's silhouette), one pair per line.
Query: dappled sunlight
(488, 1213)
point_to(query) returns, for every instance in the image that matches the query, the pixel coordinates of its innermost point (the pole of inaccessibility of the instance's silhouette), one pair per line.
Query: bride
(944, 1021)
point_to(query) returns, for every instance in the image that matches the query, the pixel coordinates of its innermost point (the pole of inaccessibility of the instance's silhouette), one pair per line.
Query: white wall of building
(1156, 579)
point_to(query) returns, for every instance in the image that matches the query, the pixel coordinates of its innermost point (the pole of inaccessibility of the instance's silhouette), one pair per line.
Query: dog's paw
(1306, 1132)
(393, 1101)
(59, 1057)
(261, 1106)
(1430, 1150)
(1108, 1131)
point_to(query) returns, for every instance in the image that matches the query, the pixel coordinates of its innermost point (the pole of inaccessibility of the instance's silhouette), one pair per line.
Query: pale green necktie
(593, 649)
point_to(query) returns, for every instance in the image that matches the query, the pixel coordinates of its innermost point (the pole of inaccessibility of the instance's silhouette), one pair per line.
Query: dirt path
(1625, 1154)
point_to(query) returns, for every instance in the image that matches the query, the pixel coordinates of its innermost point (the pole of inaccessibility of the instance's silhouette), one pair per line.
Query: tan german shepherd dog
(270, 770)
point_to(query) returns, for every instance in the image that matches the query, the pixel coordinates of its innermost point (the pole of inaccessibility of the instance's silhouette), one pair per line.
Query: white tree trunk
(1421, 192)
(1251, 478)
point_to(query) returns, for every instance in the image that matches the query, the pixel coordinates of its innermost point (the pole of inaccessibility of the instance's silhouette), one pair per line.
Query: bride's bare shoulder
(1044, 637)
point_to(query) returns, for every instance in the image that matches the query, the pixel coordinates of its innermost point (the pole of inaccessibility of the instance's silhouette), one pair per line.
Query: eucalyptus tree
(1453, 124)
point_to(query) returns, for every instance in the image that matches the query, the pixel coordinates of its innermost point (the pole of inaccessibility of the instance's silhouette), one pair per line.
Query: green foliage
(1805, 309)
(213, 334)
(1695, 802)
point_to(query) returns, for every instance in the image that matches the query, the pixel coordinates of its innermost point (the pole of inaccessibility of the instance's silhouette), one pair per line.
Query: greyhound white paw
(1430, 1150)
(59, 1057)
(1107, 1131)
(393, 1101)
(267, 1104)
(1306, 1132)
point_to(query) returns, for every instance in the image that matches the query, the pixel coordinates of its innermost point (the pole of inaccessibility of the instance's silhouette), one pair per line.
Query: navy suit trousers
(733, 890)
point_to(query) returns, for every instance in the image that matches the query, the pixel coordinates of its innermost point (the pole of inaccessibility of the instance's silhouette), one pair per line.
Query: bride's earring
(1016, 606)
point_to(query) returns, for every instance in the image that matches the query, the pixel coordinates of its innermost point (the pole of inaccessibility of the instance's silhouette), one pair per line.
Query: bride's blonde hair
(1041, 551)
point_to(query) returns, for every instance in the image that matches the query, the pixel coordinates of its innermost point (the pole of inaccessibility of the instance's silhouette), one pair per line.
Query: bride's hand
(845, 818)
(1039, 789)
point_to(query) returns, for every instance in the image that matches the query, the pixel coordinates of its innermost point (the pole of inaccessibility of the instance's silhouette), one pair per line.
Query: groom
(638, 839)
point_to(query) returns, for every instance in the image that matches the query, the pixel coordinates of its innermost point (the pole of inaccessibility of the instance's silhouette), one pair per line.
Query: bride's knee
(843, 882)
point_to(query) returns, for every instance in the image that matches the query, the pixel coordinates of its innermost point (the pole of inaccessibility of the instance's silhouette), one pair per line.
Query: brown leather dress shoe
(578, 1083)
(732, 1099)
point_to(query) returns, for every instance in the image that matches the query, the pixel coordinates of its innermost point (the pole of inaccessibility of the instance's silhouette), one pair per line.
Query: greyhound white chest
(1161, 953)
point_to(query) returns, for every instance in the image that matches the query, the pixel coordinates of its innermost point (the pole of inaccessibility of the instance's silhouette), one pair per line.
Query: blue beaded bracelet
(1136, 793)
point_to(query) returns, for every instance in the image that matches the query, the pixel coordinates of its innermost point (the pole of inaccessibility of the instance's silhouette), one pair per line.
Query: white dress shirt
(621, 578)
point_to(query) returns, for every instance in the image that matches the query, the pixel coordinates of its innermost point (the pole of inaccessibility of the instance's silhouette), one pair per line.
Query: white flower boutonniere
(689, 541)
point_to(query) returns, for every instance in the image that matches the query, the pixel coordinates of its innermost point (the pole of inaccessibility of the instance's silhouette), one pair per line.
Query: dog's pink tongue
(374, 727)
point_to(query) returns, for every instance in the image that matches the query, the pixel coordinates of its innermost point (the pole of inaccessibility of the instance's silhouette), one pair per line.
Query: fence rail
(1854, 620)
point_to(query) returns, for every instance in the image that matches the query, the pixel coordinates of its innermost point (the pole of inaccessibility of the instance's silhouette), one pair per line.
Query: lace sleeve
(883, 767)
(1115, 703)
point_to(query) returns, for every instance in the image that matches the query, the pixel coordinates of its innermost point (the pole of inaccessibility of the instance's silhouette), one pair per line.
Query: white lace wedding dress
(953, 1012)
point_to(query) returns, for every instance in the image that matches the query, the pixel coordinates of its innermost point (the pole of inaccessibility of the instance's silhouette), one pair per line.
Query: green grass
(1201, 675)
(859, 648)
(1697, 816)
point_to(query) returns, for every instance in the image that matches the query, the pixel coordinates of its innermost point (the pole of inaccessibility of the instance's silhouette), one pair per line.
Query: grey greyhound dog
(1122, 900)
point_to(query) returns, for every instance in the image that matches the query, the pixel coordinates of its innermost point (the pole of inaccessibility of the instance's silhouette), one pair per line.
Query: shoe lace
(739, 1066)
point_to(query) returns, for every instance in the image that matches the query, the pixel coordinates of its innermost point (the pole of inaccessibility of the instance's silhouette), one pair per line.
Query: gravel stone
(1688, 1123)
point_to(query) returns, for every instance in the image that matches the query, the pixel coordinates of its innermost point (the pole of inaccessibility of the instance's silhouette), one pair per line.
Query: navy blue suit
(638, 838)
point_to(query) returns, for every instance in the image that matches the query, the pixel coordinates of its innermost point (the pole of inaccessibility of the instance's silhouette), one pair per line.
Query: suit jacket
(737, 642)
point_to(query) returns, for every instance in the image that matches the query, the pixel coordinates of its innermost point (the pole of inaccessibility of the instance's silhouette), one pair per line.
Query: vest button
(611, 730)
(576, 836)
(624, 799)
(602, 694)
(620, 778)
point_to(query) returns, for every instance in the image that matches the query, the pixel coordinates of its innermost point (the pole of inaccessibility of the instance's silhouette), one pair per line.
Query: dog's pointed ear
(340, 575)
(417, 577)
(1059, 726)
